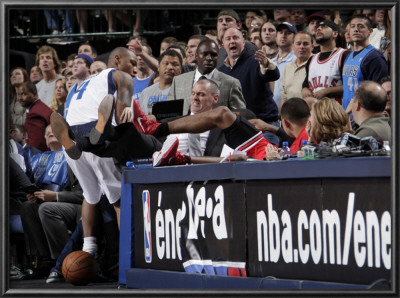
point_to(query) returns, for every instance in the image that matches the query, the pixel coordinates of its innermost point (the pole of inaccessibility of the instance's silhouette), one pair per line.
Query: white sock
(90, 245)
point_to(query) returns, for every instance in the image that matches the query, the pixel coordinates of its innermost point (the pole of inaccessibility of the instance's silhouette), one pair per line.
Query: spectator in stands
(18, 134)
(59, 95)
(370, 14)
(167, 42)
(312, 22)
(49, 64)
(368, 107)
(349, 42)
(170, 66)
(386, 83)
(323, 78)
(294, 72)
(328, 121)
(207, 57)
(364, 63)
(268, 38)
(380, 37)
(298, 18)
(248, 18)
(254, 72)
(294, 116)
(204, 97)
(87, 49)
(69, 62)
(18, 153)
(48, 214)
(256, 22)
(284, 40)
(281, 15)
(69, 80)
(38, 116)
(191, 49)
(228, 18)
(255, 37)
(35, 74)
(97, 67)
(18, 76)
(144, 73)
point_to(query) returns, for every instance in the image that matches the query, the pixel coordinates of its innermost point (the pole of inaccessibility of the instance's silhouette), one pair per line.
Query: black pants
(126, 143)
(35, 238)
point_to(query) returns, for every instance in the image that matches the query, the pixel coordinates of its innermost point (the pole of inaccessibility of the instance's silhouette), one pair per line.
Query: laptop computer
(167, 109)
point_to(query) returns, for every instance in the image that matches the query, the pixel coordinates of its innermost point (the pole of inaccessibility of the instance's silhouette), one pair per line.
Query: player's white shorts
(96, 175)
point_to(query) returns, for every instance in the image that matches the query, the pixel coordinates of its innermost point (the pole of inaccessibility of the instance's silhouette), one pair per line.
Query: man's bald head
(371, 95)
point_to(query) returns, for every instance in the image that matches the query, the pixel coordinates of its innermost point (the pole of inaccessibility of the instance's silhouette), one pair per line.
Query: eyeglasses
(255, 25)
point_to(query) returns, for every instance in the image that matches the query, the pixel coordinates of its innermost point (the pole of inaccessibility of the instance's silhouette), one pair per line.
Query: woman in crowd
(59, 94)
(328, 121)
(18, 76)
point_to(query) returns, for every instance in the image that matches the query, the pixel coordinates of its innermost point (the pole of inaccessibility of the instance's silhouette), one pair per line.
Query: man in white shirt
(50, 65)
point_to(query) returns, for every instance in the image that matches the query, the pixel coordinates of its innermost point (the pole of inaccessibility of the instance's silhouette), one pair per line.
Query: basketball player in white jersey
(96, 175)
(324, 69)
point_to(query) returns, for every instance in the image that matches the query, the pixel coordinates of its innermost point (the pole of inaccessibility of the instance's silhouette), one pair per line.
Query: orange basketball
(79, 268)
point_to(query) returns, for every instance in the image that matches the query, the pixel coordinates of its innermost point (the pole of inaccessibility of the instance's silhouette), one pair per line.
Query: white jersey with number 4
(83, 101)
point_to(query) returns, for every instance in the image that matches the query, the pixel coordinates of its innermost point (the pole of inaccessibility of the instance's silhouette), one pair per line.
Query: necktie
(201, 78)
(194, 144)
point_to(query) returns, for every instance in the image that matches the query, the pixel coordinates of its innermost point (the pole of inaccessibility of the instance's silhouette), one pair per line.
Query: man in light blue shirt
(284, 39)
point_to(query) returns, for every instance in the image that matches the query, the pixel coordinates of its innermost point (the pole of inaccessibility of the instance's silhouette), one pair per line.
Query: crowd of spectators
(300, 76)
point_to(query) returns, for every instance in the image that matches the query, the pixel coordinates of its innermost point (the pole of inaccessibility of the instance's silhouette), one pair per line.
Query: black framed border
(7, 5)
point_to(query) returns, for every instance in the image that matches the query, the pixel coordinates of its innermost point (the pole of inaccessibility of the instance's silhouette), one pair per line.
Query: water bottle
(301, 153)
(285, 151)
(387, 147)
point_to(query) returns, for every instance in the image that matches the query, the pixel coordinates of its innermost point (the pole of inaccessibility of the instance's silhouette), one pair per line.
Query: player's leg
(89, 223)
(220, 117)
(105, 131)
(103, 126)
(63, 134)
(132, 145)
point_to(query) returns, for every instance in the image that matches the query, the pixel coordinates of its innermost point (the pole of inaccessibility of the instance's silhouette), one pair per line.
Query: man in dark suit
(38, 116)
(206, 57)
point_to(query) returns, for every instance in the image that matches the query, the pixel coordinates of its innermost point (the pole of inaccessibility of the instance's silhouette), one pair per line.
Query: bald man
(254, 71)
(368, 106)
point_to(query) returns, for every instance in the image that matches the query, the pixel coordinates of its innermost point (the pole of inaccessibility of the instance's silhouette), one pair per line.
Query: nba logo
(147, 226)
